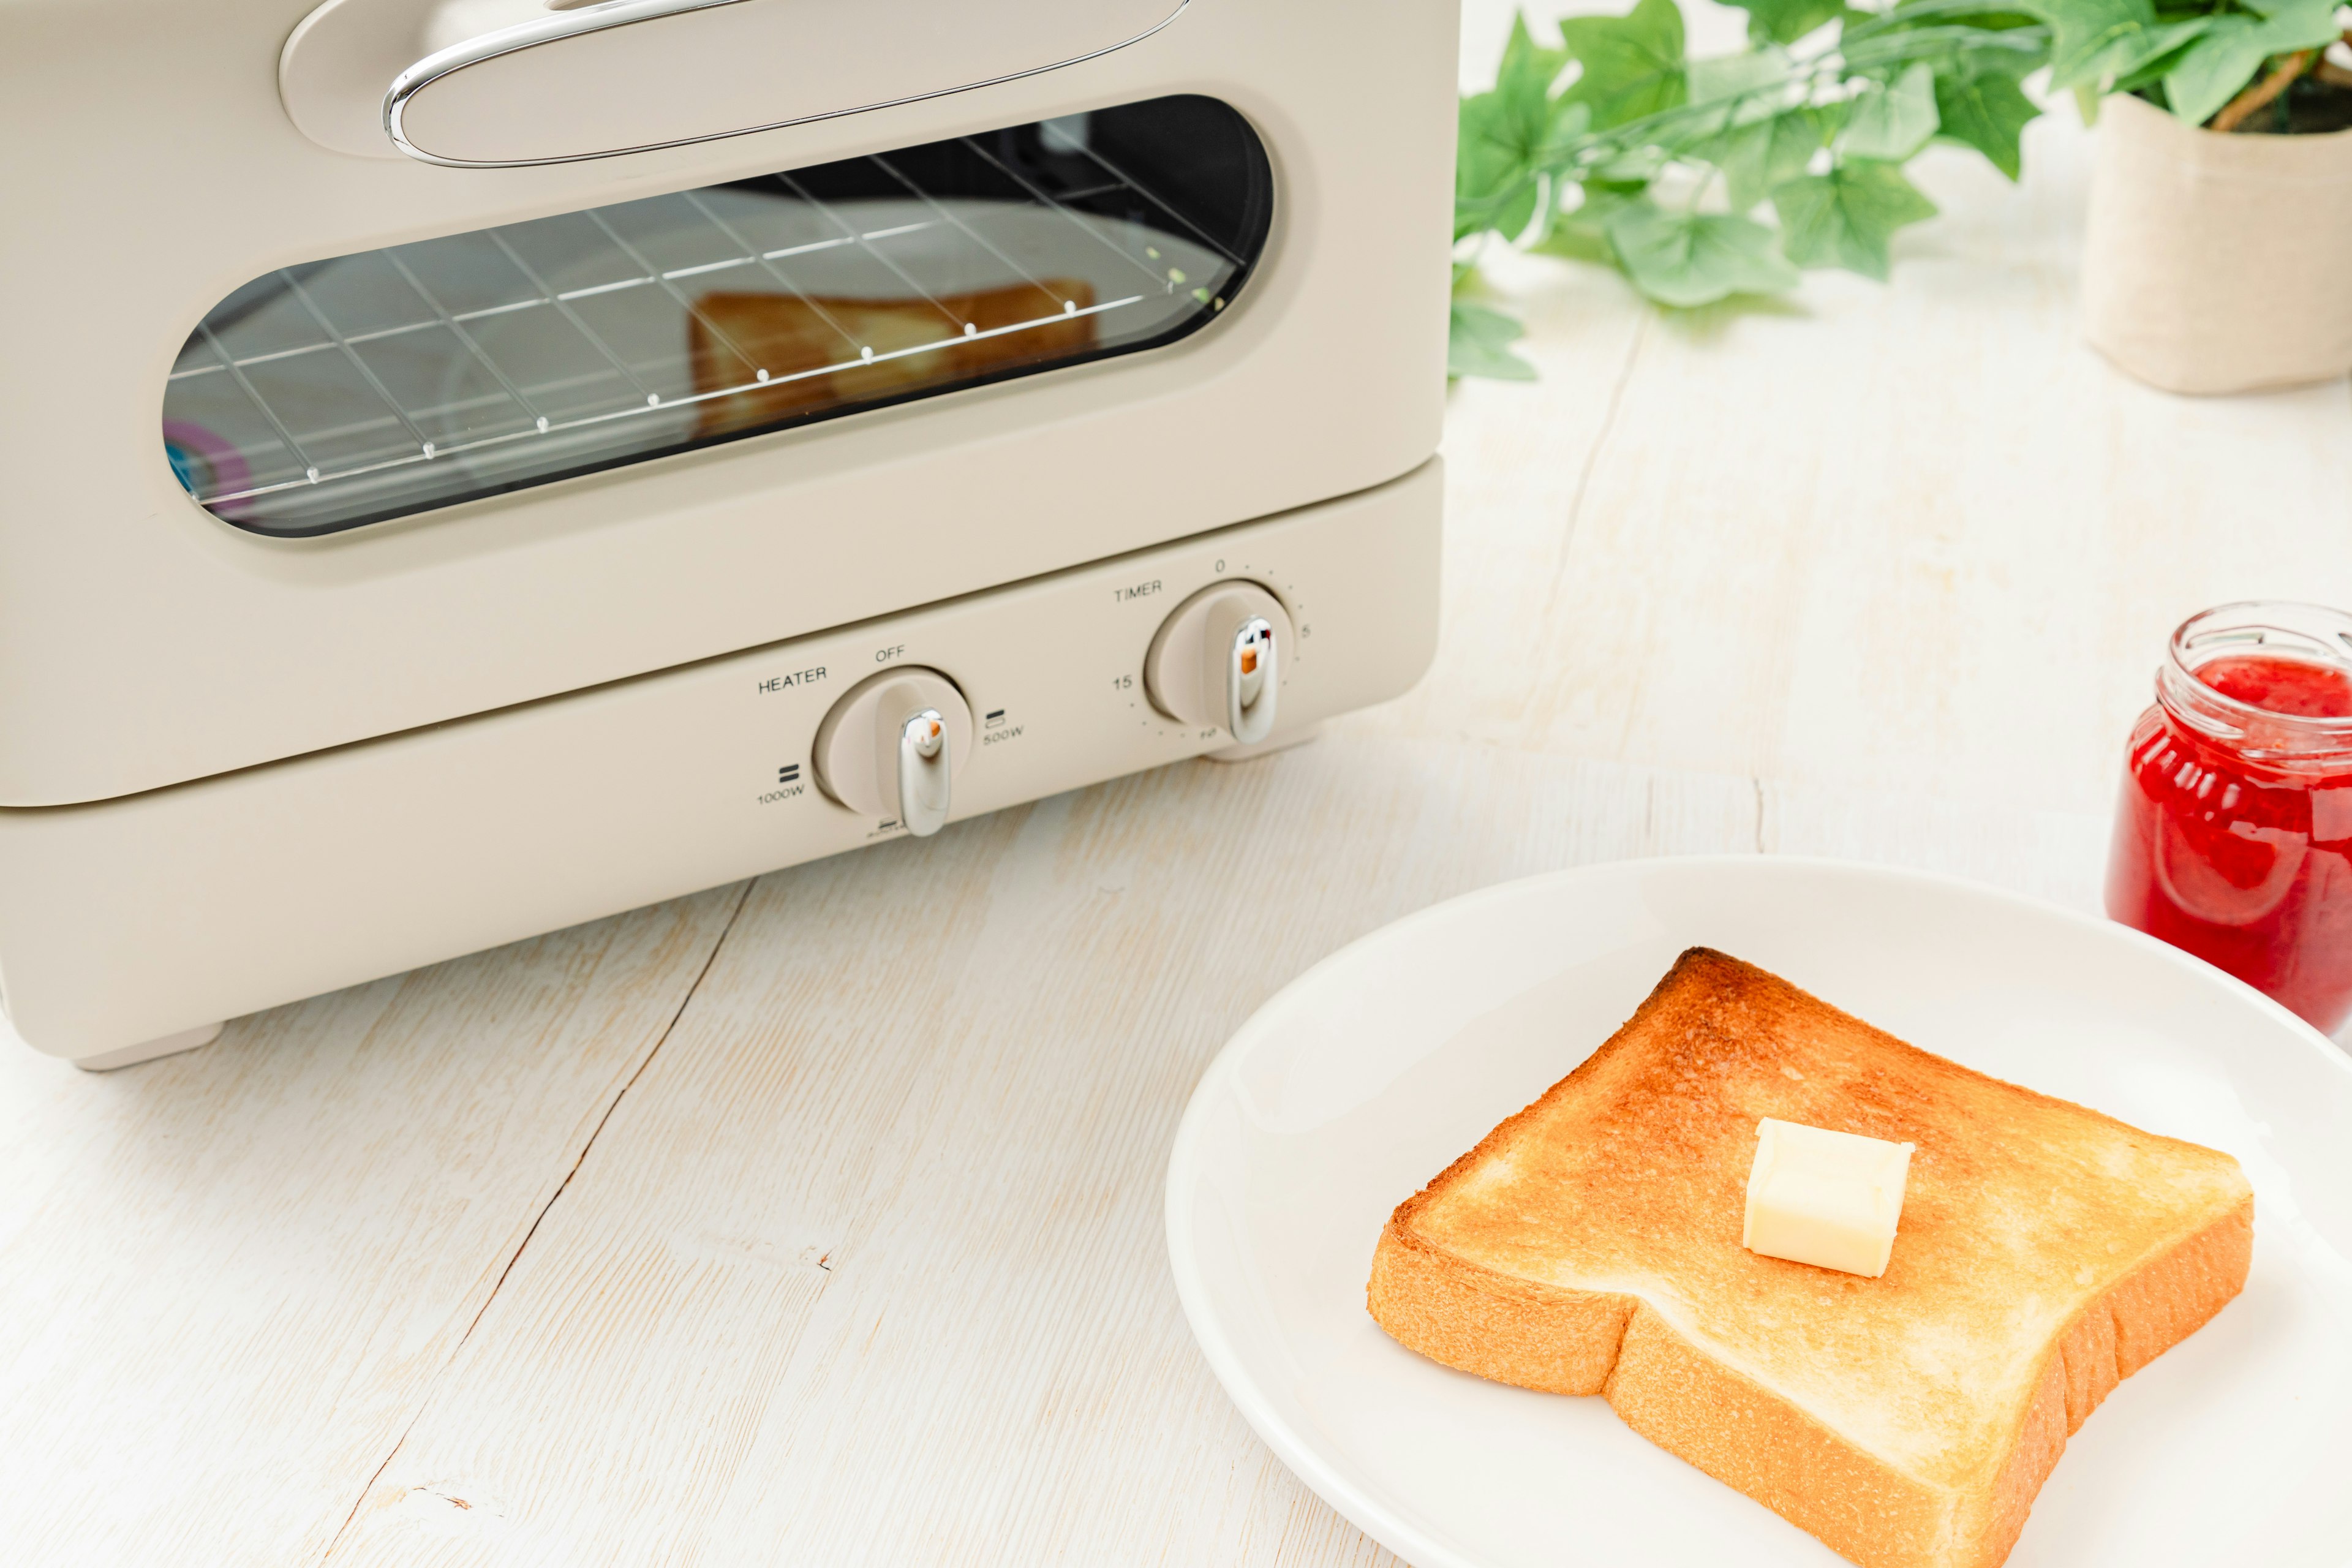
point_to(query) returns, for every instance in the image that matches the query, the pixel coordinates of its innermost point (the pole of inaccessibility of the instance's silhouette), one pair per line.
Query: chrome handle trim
(553, 28)
(597, 17)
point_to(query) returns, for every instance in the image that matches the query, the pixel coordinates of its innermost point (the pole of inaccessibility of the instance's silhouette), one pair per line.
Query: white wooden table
(818, 1219)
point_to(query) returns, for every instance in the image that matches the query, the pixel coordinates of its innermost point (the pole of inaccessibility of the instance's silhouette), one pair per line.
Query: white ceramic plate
(1367, 1076)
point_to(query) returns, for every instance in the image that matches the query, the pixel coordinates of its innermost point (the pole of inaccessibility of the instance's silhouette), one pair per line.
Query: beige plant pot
(2217, 263)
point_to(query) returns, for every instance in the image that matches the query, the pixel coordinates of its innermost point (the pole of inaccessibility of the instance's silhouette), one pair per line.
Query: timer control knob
(1218, 660)
(892, 747)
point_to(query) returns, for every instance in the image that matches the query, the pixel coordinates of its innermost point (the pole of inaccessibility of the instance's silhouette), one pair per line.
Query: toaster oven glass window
(343, 392)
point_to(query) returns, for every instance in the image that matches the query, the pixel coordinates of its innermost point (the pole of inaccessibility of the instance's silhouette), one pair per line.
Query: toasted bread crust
(1519, 1332)
(2159, 1304)
(1677, 1390)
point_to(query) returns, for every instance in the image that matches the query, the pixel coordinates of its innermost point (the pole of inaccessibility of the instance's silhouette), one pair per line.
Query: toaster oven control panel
(1242, 638)
(438, 842)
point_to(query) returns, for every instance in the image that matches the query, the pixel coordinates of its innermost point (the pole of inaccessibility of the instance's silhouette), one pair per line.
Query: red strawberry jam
(2234, 839)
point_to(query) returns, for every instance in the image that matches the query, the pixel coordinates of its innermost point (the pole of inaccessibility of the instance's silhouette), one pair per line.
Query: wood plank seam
(424, 1399)
(1592, 459)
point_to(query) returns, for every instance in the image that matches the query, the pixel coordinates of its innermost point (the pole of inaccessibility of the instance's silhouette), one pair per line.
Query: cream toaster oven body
(481, 466)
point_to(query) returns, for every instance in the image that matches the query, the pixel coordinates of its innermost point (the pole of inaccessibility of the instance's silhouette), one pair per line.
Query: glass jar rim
(2304, 633)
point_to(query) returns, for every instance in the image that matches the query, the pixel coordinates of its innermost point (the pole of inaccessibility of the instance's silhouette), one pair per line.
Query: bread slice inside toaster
(820, 352)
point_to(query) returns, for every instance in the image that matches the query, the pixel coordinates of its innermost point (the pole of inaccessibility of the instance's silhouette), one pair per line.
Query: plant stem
(1832, 68)
(2241, 109)
(2331, 73)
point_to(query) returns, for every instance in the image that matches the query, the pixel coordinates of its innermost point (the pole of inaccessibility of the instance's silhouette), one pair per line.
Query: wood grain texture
(865, 1263)
(868, 1266)
(228, 1279)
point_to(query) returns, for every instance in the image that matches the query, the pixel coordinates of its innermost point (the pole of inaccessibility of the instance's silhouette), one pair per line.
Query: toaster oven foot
(1261, 748)
(148, 1050)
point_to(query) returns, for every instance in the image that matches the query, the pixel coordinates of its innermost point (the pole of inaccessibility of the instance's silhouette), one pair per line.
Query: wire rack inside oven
(325, 395)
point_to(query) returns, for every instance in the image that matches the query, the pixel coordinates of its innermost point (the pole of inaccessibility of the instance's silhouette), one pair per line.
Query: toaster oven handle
(510, 83)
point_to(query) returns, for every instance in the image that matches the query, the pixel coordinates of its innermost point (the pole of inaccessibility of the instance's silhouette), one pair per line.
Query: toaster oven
(486, 464)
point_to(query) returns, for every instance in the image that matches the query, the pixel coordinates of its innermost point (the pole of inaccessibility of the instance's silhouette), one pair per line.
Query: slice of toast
(1591, 1245)
(810, 348)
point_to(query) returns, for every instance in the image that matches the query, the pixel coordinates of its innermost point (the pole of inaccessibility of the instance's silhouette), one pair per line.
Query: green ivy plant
(1616, 146)
(2218, 63)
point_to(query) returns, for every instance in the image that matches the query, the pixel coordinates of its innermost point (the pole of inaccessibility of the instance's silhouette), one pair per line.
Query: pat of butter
(1827, 1198)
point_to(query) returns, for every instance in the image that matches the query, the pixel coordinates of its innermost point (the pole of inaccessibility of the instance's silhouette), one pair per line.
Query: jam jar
(2234, 839)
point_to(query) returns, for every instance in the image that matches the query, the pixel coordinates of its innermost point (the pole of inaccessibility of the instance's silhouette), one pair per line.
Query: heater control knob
(1218, 660)
(892, 747)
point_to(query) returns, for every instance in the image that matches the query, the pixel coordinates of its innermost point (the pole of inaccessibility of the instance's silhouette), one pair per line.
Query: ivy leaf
(1894, 121)
(1494, 180)
(2218, 66)
(1750, 74)
(2143, 76)
(1693, 259)
(1989, 111)
(2209, 73)
(1582, 233)
(1762, 153)
(1477, 342)
(1786, 21)
(1735, 90)
(2299, 23)
(1507, 133)
(1632, 64)
(1529, 69)
(2101, 40)
(1845, 218)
